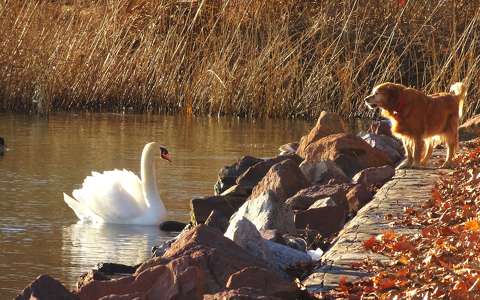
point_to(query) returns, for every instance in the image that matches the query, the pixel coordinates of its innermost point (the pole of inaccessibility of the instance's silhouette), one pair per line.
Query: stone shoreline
(409, 188)
(269, 222)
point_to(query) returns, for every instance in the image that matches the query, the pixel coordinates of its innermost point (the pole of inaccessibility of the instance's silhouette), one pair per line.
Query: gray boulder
(245, 234)
(285, 256)
(320, 172)
(392, 147)
(376, 176)
(266, 212)
(278, 256)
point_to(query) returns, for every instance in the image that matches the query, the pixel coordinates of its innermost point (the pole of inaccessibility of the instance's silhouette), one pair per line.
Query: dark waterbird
(3, 147)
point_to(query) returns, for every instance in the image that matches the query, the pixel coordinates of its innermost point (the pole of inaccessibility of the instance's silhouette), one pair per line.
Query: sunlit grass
(241, 57)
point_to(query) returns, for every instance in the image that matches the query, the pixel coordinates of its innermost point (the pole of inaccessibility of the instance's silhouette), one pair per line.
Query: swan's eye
(163, 151)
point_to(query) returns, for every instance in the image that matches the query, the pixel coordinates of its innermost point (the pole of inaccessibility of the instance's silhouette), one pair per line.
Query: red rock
(176, 280)
(306, 197)
(181, 283)
(357, 197)
(264, 280)
(203, 236)
(45, 287)
(376, 176)
(348, 151)
(202, 207)
(327, 124)
(325, 218)
(200, 261)
(240, 294)
(283, 179)
(253, 175)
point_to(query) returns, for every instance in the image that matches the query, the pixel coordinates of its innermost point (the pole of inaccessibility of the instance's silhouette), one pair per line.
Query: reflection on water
(85, 243)
(38, 232)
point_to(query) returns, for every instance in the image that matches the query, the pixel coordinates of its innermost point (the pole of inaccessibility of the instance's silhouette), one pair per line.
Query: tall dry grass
(283, 58)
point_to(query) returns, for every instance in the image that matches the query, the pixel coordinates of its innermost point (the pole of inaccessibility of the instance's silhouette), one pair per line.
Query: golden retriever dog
(421, 121)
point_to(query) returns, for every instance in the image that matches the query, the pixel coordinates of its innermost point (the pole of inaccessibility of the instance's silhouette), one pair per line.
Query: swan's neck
(149, 180)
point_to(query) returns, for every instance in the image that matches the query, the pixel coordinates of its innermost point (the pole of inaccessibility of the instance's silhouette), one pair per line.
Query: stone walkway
(409, 188)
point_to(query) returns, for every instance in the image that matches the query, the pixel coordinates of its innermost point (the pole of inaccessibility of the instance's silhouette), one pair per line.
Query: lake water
(47, 156)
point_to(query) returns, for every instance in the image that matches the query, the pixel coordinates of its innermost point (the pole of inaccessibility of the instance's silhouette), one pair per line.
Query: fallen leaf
(472, 225)
(342, 284)
(403, 272)
(385, 283)
(370, 243)
(403, 246)
(388, 235)
(403, 260)
(436, 195)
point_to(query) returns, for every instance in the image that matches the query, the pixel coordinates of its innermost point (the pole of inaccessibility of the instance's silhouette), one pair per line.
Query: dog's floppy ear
(393, 98)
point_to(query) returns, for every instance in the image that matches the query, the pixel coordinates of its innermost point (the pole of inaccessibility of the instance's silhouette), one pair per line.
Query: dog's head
(385, 96)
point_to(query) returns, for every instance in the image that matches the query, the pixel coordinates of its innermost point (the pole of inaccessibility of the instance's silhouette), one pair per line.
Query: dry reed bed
(283, 58)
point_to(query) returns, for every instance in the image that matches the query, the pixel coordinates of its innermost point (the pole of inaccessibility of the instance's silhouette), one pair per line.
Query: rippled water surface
(38, 232)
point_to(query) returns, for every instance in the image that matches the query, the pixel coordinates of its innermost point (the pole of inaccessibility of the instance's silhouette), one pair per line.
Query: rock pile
(247, 236)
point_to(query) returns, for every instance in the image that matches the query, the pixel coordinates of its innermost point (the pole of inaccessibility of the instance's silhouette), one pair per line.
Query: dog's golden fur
(421, 121)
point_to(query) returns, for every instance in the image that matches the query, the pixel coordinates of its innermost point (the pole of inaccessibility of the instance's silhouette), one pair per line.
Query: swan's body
(120, 196)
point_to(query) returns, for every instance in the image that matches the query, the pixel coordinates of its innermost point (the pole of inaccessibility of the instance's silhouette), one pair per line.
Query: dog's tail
(459, 89)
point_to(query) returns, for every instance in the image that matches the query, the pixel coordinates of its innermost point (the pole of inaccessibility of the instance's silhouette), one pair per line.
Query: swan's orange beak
(166, 157)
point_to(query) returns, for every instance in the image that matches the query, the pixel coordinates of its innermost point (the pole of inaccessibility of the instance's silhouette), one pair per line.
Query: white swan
(119, 196)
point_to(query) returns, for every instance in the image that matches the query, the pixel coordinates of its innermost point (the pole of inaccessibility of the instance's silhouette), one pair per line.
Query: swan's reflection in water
(85, 244)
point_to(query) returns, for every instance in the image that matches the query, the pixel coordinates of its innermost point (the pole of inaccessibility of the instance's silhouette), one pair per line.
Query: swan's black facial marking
(164, 154)
(163, 150)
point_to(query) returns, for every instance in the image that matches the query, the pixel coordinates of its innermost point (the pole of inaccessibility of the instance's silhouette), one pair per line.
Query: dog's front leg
(407, 162)
(428, 153)
(418, 146)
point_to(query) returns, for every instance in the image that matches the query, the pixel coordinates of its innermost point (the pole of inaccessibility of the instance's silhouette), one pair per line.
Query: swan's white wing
(114, 196)
(81, 211)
